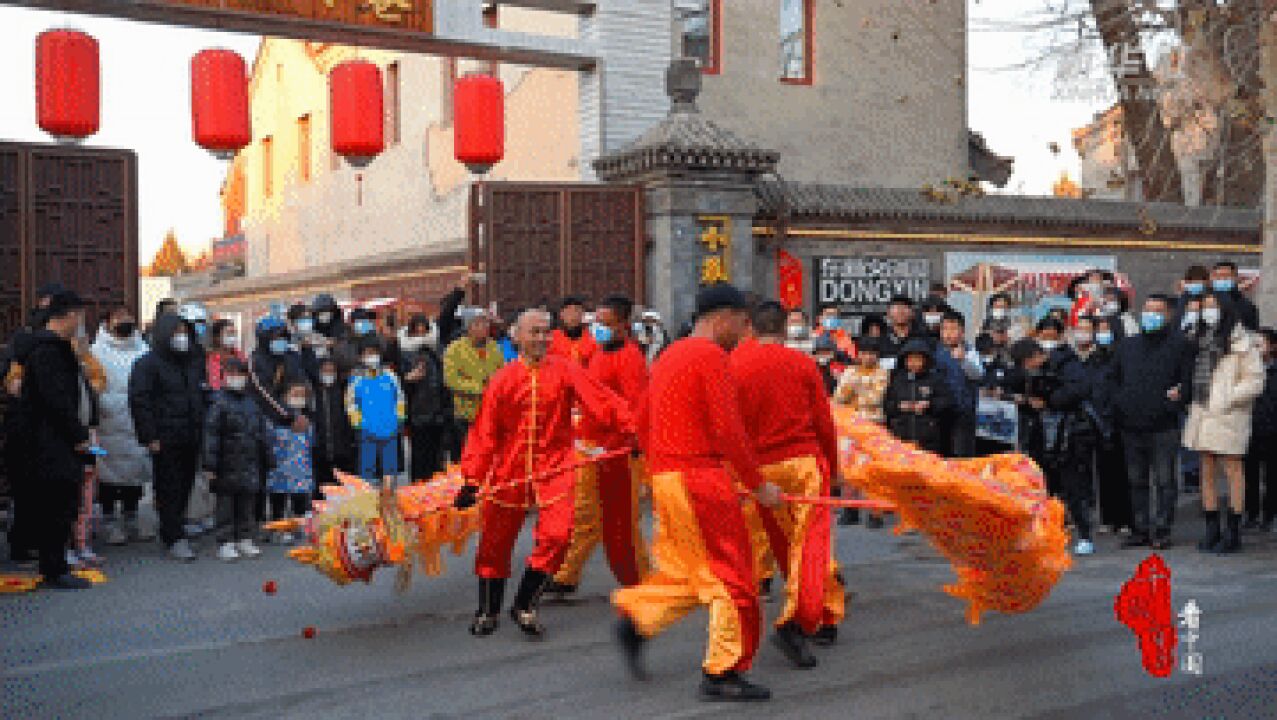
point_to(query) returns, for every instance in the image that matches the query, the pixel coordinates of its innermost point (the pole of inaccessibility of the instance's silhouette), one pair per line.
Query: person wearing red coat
(786, 411)
(697, 449)
(607, 492)
(522, 433)
(571, 340)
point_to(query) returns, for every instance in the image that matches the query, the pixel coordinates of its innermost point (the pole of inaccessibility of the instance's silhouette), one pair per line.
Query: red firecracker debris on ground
(269, 587)
(308, 632)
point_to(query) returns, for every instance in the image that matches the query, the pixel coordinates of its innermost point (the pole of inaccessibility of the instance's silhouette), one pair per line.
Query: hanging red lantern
(67, 84)
(356, 114)
(219, 102)
(479, 109)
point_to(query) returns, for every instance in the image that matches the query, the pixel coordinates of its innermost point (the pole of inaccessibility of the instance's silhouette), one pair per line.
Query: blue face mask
(603, 334)
(364, 327)
(1104, 339)
(1152, 322)
(278, 346)
(831, 323)
(1223, 286)
(1194, 288)
(305, 326)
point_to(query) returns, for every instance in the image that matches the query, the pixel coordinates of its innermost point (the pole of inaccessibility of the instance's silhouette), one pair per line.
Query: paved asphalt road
(162, 639)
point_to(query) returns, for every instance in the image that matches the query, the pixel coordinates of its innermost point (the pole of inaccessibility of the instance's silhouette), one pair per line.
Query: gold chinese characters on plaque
(716, 239)
(407, 14)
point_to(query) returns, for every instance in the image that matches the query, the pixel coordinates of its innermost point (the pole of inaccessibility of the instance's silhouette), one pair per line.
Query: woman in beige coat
(1228, 374)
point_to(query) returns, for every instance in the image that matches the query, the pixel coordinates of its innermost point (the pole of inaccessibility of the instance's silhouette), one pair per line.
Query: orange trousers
(703, 556)
(764, 563)
(800, 541)
(607, 509)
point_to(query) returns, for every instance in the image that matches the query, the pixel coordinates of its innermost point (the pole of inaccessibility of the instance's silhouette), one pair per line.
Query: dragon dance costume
(607, 491)
(784, 408)
(524, 426)
(696, 444)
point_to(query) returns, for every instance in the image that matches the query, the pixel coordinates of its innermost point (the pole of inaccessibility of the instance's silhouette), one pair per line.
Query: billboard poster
(1037, 283)
(864, 285)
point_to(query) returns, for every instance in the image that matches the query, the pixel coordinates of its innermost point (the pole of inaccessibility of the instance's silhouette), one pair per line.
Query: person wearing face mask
(903, 326)
(999, 312)
(797, 332)
(833, 326)
(223, 346)
(273, 366)
(236, 455)
(823, 351)
(331, 330)
(1227, 377)
(166, 399)
(291, 482)
(377, 409)
(1115, 489)
(1195, 283)
(1261, 458)
(429, 404)
(1152, 373)
(963, 371)
(363, 327)
(933, 313)
(1226, 282)
(570, 339)
(334, 438)
(607, 494)
(918, 400)
(125, 469)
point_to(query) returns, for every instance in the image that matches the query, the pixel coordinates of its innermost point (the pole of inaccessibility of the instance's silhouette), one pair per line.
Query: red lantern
(67, 84)
(479, 108)
(356, 114)
(219, 102)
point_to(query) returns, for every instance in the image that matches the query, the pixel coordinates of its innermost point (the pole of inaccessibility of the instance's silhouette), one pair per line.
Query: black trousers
(1075, 470)
(427, 449)
(281, 502)
(235, 517)
(174, 470)
(1115, 489)
(127, 497)
(55, 505)
(962, 442)
(1261, 472)
(1150, 468)
(460, 430)
(22, 539)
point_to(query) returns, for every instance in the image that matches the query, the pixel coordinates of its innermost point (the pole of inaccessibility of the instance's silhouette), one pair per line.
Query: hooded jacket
(166, 394)
(126, 462)
(52, 393)
(271, 375)
(930, 386)
(237, 444)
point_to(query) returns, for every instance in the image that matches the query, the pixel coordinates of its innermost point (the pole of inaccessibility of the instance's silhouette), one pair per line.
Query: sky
(146, 106)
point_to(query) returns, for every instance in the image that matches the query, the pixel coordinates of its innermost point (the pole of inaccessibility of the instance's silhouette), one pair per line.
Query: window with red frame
(796, 19)
(701, 28)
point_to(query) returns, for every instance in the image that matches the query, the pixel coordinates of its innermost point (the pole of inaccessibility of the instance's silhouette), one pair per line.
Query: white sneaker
(227, 552)
(88, 557)
(1084, 547)
(115, 535)
(181, 550)
(248, 549)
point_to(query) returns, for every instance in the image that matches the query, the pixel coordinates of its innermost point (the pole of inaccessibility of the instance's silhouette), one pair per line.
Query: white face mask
(797, 332)
(932, 319)
(231, 342)
(1190, 319)
(237, 382)
(413, 343)
(1049, 345)
(180, 343)
(372, 362)
(297, 403)
(1210, 316)
(324, 317)
(998, 313)
(1083, 338)
(321, 351)
(328, 379)
(1112, 307)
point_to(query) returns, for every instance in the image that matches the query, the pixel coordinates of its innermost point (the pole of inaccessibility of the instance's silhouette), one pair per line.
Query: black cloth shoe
(1211, 538)
(1161, 540)
(1231, 542)
(554, 587)
(632, 643)
(487, 618)
(731, 687)
(67, 581)
(1137, 539)
(789, 639)
(524, 610)
(827, 635)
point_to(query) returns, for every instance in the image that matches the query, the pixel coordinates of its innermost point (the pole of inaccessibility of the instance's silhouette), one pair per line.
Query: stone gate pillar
(699, 180)
(1268, 74)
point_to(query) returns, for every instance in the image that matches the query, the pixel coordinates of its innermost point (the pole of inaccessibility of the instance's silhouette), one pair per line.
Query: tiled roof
(686, 140)
(808, 201)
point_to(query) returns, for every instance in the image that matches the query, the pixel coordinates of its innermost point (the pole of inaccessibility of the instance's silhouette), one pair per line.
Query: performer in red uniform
(570, 340)
(786, 411)
(607, 492)
(523, 429)
(690, 426)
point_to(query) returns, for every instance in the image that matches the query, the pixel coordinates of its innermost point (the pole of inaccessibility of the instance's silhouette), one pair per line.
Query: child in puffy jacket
(237, 456)
(292, 482)
(377, 409)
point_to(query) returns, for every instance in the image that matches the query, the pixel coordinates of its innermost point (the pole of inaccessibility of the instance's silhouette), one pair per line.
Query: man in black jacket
(1152, 372)
(55, 406)
(166, 398)
(1225, 280)
(918, 399)
(429, 404)
(1261, 461)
